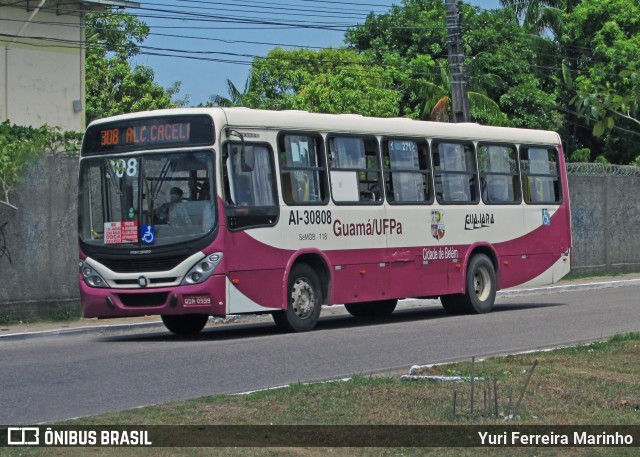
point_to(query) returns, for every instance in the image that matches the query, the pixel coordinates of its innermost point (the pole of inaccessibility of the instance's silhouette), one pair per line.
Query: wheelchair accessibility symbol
(147, 234)
(546, 217)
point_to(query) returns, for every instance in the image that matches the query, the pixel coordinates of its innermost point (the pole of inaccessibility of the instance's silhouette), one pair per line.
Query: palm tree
(538, 15)
(436, 99)
(235, 98)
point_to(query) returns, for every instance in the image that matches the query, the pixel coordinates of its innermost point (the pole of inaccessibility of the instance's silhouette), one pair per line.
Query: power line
(190, 15)
(254, 25)
(195, 53)
(271, 9)
(198, 55)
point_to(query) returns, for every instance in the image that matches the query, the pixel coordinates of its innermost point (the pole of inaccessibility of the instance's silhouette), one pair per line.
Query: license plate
(197, 300)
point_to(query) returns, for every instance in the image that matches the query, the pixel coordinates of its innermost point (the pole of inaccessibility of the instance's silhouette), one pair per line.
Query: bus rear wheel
(480, 288)
(382, 308)
(185, 324)
(453, 304)
(304, 301)
(481, 285)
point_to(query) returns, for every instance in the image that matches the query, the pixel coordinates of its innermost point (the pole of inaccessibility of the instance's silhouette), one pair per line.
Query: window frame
(240, 218)
(323, 170)
(517, 173)
(427, 173)
(521, 150)
(476, 185)
(329, 143)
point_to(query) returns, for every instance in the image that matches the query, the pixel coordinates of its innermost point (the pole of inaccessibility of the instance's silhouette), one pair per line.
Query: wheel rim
(302, 298)
(482, 283)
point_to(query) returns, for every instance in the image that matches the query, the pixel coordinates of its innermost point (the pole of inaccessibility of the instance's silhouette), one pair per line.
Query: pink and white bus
(191, 213)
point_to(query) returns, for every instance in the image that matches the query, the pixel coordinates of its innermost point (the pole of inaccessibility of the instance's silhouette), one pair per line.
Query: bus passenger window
(540, 175)
(355, 169)
(407, 171)
(499, 178)
(454, 172)
(303, 172)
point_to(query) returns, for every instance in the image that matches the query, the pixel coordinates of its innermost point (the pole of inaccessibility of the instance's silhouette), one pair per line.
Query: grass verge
(58, 315)
(591, 384)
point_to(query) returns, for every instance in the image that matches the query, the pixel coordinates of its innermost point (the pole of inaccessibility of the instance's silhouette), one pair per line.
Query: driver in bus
(173, 213)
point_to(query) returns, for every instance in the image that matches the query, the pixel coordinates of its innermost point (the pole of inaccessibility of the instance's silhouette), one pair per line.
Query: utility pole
(457, 68)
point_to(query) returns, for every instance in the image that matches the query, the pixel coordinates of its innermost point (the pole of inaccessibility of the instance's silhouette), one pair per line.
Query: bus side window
(454, 172)
(407, 171)
(303, 172)
(540, 175)
(499, 178)
(355, 169)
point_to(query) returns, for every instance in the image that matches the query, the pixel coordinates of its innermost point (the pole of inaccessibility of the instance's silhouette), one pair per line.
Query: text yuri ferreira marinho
(577, 438)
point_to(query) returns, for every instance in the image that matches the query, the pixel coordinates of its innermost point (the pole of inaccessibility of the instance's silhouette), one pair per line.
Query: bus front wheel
(382, 308)
(304, 301)
(185, 324)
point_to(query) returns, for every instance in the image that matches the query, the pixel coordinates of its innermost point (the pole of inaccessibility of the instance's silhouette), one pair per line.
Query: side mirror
(247, 157)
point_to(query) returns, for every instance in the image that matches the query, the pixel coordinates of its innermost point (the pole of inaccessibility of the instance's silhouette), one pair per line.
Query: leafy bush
(21, 146)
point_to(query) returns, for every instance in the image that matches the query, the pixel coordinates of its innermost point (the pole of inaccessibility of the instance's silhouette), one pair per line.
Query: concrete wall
(605, 222)
(41, 237)
(40, 79)
(40, 240)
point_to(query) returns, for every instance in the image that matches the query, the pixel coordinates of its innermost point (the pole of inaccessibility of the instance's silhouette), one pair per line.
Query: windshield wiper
(167, 167)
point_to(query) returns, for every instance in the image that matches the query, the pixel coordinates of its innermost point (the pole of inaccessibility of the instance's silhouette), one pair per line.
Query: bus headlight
(91, 277)
(202, 270)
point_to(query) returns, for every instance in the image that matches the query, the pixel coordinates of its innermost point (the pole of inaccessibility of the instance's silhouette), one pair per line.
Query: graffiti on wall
(584, 224)
(4, 250)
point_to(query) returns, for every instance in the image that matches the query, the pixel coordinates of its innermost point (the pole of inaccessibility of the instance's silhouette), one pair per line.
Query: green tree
(605, 84)
(603, 104)
(500, 62)
(347, 90)
(538, 16)
(235, 96)
(436, 104)
(113, 84)
(329, 81)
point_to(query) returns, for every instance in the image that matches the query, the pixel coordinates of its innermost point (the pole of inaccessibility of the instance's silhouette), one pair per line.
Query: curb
(89, 329)
(569, 288)
(130, 328)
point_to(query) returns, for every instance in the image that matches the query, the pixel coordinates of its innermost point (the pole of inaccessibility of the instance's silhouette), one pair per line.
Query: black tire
(304, 297)
(481, 285)
(373, 309)
(453, 304)
(185, 324)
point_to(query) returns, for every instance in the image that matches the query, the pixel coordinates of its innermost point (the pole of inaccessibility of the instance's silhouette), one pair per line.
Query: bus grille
(143, 300)
(143, 265)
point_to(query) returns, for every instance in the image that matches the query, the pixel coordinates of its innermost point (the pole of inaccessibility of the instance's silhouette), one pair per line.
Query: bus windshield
(146, 200)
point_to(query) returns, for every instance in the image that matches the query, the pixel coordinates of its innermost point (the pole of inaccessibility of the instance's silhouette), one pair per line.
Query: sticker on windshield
(120, 232)
(148, 234)
(123, 167)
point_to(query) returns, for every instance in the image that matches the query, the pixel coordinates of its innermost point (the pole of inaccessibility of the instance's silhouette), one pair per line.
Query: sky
(204, 43)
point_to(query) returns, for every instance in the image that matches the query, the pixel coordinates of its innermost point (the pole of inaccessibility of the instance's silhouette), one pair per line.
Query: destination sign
(150, 133)
(154, 134)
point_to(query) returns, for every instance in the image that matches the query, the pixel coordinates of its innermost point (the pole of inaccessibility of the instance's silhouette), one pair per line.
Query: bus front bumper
(208, 298)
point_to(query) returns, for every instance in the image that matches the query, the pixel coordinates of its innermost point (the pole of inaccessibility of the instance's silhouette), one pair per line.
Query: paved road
(50, 379)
